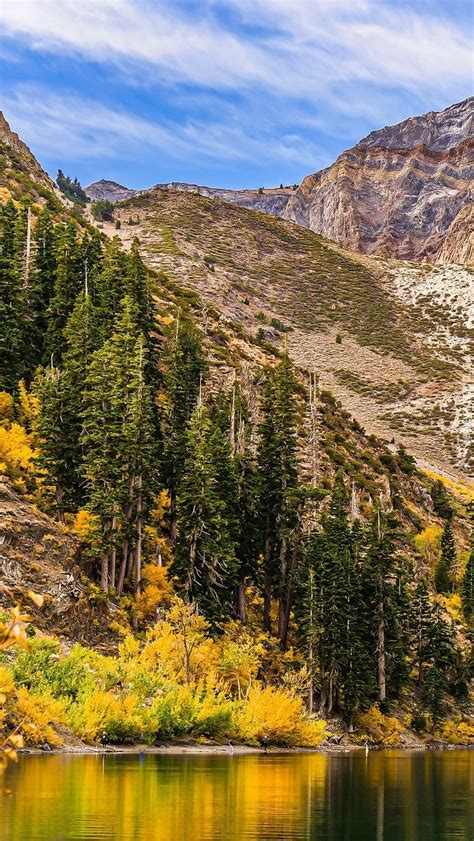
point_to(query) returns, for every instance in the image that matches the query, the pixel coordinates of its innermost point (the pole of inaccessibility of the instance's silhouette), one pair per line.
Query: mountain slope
(371, 329)
(20, 172)
(398, 191)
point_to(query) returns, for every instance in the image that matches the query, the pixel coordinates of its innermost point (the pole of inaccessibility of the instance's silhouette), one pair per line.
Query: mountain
(109, 190)
(271, 200)
(400, 192)
(390, 339)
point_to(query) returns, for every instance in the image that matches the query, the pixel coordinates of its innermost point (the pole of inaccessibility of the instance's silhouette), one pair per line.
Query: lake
(383, 795)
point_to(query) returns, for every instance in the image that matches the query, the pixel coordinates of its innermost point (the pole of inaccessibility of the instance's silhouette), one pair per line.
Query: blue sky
(232, 93)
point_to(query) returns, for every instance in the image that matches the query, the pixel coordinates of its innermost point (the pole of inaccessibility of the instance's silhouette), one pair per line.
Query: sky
(228, 93)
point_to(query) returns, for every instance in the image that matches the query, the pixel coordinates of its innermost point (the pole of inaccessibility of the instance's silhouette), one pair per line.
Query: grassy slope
(387, 369)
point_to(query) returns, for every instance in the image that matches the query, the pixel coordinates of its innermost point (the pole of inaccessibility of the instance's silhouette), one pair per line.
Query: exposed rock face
(38, 553)
(400, 192)
(458, 245)
(271, 200)
(109, 190)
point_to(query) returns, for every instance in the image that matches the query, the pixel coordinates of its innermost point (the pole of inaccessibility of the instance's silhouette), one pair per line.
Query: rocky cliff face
(267, 200)
(401, 192)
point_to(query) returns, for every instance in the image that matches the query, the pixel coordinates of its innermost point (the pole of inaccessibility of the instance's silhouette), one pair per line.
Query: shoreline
(174, 749)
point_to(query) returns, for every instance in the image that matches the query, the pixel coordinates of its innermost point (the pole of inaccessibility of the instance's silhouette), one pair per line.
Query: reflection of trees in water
(379, 796)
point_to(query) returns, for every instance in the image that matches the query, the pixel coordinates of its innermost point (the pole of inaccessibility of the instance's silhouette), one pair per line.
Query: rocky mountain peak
(436, 130)
(110, 190)
(399, 191)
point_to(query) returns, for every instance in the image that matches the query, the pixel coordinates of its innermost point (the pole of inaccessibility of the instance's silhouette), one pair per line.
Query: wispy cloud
(59, 123)
(293, 47)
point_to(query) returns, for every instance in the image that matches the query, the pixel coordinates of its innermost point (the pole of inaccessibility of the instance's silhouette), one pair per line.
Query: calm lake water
(384, 796)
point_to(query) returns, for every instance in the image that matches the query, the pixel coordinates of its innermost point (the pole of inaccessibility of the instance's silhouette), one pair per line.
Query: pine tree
(90, 262)
(57, 455)
(467, 592)
(185, 368)
(66, 288)
(205, 560)
(445, 566)
(441, 503)
(110, 286)
(281, 496)
(137, 287)
(82, 338)
(11, 301)
(383, 589)
(237, 477)
(119, 449)
(340, 615)
(140, 460)
(435, 650)
(43, 276)
(441, 658)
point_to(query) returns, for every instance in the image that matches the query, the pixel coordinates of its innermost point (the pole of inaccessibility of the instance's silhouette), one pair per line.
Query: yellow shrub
(239, 663)
(16, 450)
(84, 524)
(28, 405)
(453, 605)
(457, 732)
(6, 407)
(108, 716)
(34, 716)
(277, 716)
(179, 645)
(156, 593)
(428, 543)
(380, 729)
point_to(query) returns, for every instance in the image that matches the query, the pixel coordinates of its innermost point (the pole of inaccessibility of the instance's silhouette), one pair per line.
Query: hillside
(401, 366)
(399, 191)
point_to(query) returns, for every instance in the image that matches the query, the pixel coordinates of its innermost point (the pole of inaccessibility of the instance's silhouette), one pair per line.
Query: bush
(16, 450)
(102, 210)
(35, 717)
(380, 728)
(276, 715)
(457, 732)
(106, 717)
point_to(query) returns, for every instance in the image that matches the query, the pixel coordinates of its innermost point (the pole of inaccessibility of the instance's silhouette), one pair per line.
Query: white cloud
(297, 48)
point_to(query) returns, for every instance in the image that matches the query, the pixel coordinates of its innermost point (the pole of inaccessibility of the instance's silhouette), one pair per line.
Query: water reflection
(385, 796)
